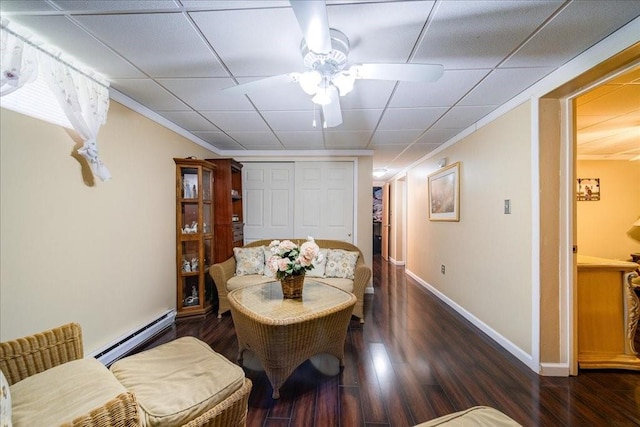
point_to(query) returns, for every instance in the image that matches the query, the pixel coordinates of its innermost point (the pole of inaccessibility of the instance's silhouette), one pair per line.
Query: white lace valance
(82, 96)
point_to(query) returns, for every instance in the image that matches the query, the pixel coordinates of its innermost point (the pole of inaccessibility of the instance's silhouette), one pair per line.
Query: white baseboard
(395, 262)
(554, 369)
(129, 341)
(368, 290)
(520, 354)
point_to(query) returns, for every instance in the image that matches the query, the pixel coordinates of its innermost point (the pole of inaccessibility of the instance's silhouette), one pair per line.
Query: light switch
(507, 206)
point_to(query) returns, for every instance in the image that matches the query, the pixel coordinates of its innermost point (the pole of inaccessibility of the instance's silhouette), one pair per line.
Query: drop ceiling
(175, 57)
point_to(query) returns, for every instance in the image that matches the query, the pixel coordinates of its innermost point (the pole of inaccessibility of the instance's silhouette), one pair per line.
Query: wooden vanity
(608, 313)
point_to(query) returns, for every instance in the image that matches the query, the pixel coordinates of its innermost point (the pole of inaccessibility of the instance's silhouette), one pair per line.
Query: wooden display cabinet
(228, 224)
(194, 236)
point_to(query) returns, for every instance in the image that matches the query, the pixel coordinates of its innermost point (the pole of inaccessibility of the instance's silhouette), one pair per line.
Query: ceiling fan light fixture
(309, 81)
(344, 82)
(324, 95)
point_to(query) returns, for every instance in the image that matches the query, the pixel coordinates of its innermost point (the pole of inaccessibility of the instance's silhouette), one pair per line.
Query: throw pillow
(5, 402)
(249, 260)
(267, 255)
(318, 269)
(341, 263)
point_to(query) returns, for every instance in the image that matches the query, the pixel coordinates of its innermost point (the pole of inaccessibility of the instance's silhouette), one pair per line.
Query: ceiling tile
(502, 85)
(380, 32)
(555, 44)
(206, 94)
(385, 154)
(448, 90)
(283, 97)
(368, 94)
(360, 119)
(142, 37)
(292, 120)
(348, 140)
(255, 42)
(255, 139)
(412, 154)
(410, 118)
(26, 6)
(233, 4)
(237, 120)
(395, 137)
(218, 140)
(479, 34)
(148, 93)
(189, 120)
(462, 117)
(77, 43)
(301, 140)
(438, 136)
(115, 5)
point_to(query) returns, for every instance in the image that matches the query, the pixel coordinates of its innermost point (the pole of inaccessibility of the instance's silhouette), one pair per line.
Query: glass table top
(266, 300)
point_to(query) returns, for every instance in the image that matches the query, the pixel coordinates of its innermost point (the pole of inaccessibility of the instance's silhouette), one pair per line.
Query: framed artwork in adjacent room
(588, 189)
(444, 194)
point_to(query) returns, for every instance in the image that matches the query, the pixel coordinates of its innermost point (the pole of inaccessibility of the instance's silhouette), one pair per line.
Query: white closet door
(268, 193)
(324, 200)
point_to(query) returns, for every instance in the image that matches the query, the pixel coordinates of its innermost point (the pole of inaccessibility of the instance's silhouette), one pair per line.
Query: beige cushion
(341, 263)
(5, 402)
(249, 260)
(237, 282)
(478, 416)
(61, 394)
(177, 381)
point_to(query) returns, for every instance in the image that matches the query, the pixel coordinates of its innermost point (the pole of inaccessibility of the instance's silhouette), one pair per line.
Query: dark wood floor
(416, 359)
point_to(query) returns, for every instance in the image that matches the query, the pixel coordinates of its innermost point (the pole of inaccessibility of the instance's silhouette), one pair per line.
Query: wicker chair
(37, 353)
(34, 354)
(225, 270)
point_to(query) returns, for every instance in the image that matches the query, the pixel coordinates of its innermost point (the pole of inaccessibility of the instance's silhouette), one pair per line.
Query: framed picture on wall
(444, 194)
(588, 189)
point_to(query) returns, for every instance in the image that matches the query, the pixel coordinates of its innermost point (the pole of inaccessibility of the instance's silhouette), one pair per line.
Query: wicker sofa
(225, 278)
(50, 383)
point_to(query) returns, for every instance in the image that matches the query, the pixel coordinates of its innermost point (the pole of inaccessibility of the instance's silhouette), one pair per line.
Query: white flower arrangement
(290, 260)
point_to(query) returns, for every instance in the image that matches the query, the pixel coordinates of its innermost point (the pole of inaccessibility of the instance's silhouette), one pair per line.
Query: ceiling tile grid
(175, 57)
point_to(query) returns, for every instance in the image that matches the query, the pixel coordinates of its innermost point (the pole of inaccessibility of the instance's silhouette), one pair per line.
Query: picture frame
(588, 189)
(444, 193)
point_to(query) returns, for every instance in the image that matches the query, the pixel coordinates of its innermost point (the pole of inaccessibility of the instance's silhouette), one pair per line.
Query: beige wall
(603, 225)
(487, 254)
(101, 255)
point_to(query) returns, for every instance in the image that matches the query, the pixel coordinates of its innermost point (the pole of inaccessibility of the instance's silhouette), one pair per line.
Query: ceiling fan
(325, 51)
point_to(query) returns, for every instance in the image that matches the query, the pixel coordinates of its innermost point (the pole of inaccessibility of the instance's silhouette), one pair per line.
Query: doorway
(377, 220)
(558, 146)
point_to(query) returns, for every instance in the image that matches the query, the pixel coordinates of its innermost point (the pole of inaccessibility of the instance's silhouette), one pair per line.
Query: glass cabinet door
(189, 183)
(206, 185)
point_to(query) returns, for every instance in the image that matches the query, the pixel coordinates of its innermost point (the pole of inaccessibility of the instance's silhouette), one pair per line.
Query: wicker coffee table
(283, 333)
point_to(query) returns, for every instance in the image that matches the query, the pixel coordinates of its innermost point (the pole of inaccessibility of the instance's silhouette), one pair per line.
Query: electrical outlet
(442, 269)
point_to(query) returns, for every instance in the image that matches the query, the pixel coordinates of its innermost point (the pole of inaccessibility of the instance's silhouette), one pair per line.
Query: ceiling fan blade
(314, 23)
(260, 84)
(403, 72)
(332, 112)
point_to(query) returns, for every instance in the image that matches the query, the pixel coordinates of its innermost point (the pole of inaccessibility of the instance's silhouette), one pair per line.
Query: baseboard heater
(126, 343)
